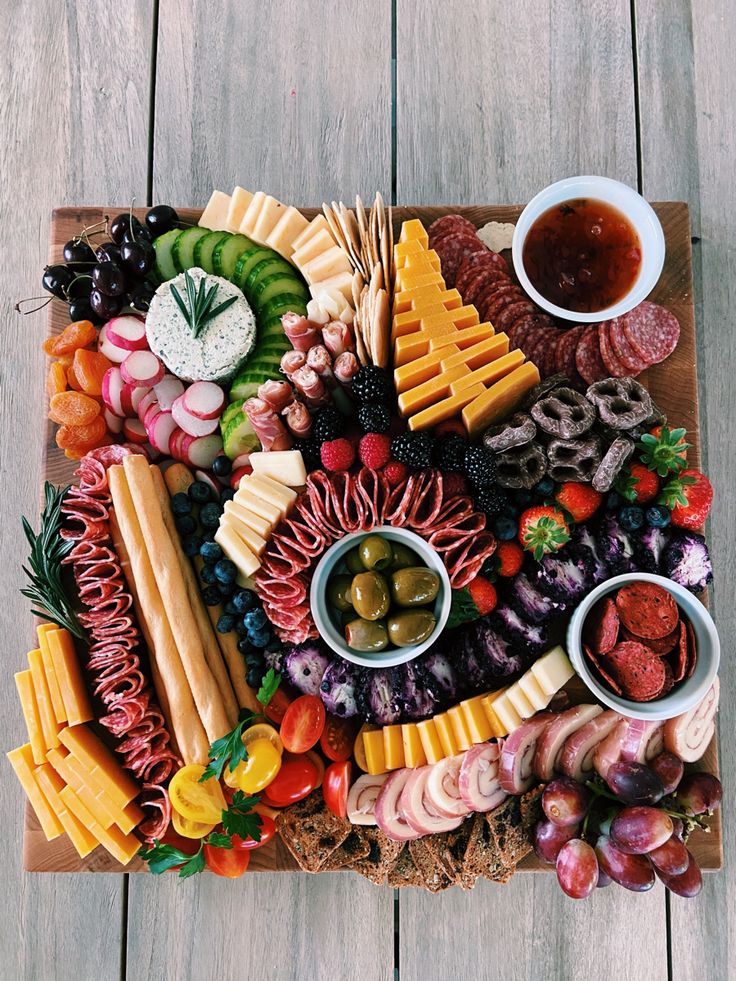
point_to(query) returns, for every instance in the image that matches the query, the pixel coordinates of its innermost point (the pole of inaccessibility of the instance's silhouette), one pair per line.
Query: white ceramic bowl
(631, 204)
(328, 624)
(686, 694)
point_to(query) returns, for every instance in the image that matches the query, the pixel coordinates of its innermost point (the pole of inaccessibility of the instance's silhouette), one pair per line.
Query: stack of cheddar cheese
(74, 784)
(473, 721)
(446, 361)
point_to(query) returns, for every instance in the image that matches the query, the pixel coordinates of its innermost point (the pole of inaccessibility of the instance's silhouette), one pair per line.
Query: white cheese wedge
(273, 491)
(251, 215)
(286, 466)
(268, 218)
(253, 502)
(537, 698)
(506, 713)
(316, 246)
(251, 538)
(261, 526)
(317, 224)
(289, 226)
(215, 213)
(239, 201)
(552, 670)
(342, 282)
(521, 703)
(237, 551)
(328, 265)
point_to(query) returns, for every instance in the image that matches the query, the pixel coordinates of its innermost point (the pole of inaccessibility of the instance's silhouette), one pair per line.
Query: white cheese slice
(316, 246)
(289, 226)
(237, 551)
(521, 703)
(215, 213)
(343, 282)
(506, 713)
(251, 215)
(251, 538)
(268, 218)
(260, 525)
(328, 265)
(286, 466)
(537, 698)
(239, 201)
(553, 670)
(255, 503)
(273, 491)
(317, 224)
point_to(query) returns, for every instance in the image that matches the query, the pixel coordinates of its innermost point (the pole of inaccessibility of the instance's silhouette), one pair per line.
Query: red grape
(699, 793)
(633, 872)
(565, 801)
(669, 768)
(671, 858)
(688, 884)
(678, 828)
(603, 879)
(638, 830)
(577, 869)
(549, 839)
(634, 783)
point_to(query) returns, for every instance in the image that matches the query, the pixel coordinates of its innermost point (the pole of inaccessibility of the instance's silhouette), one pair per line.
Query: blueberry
(245, 600)
(226, 571)
(245, 646)
(209, 535)
(225, 623)
(254, 659)
(259, 639)
(211, 552)
(254, 676)
(230, 607)
(255, 619)
(658, 516)
(209, 515)
(199, 492)
(511, 509)
(613, 501)
(211, 596)
(185, 524)
(240, 629)
(191, 545)
(505, 528)
(631, 518)
(221, 466)
(207, 575)
(545, 488)
(274, 646)
(226, 495)
(522, 498)
(488, 569)
(180, 504)
(225, 589)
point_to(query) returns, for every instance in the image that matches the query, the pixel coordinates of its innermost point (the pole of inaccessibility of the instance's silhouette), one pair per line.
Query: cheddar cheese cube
(446, 734)
(441, 411)
(52, 785)
(411, 299)
(414, 231)
(479, 727)
(478, 354)
(94, 795)
(425, 260)
(487, 701)
(416, 372)
(407, 279)
(48, 666)
(431, 391)
(24, 684)
(393, 747)
(46, 715)
(403, 250)
(97, 759)
(414, 754)
(411, 320)
(460, 728)
(430, 739)
(121, 846)
(69, 676)
(463, 338)
(374, 753)
(552, 670)
(491, 372)
(500, 399)
(24, 765)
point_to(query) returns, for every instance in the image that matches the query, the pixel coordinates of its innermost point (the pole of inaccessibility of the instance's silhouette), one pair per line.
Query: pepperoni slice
(647, 610)
(602, 626)
(652, 331)
(639, 672)
(680, 654)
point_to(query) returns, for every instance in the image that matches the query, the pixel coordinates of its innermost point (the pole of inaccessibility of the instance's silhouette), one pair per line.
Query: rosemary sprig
(197, 310)
(48, 548)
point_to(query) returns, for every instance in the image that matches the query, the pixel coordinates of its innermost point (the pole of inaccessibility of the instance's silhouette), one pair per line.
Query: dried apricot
(71, 377)
(73, 454)
(81, 333)
(81, 437)
(89, 370)
(55, 379)
(73, 409)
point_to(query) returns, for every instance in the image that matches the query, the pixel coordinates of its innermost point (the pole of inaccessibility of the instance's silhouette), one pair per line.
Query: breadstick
(186, 726)
(207, 634)
(173, 591)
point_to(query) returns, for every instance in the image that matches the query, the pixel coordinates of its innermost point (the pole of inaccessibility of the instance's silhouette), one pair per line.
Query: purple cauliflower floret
(582, 539)
(686, 561)
(438, 676)
(379, 698)
(649, 546)
(615, 546)
(341, 683)
(565, 576)
(530, 604)
(275, 659)
(480, 644)
(417, 701)
(303, 666)
(532, 639)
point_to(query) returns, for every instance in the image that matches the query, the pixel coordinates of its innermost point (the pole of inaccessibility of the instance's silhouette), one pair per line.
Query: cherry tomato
(189, 829)
(268, 830)
(276, 708)
(335, 787)
(318, 762)
(294, 781)
(257, 772)
(359, 746)
(186, 845)
(202, 802)
(263, 731)
(303, 723)
(227, 862)
(337, 739)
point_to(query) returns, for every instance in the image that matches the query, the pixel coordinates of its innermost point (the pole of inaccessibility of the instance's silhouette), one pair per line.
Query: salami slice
(652, 331)
(449, 223)
(478, 263)
(452, 249)
(624, 352)
(613, 366)
(481, 280)
(647, 610)
(510, 313)
(588, 360)
(490, 307)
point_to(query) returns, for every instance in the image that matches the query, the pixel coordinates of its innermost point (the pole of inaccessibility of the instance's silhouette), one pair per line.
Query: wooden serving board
(673, 386)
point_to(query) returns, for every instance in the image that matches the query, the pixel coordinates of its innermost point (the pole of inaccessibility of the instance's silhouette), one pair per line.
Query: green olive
(370, 595)
(403, 556)
(415, 586)
(366, 635)
(410, 627)
(375, 552)
(338, 592)
(353, 562)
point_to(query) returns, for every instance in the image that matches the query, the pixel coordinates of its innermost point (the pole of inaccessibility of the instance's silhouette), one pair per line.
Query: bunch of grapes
(628, 830)
(99, 281)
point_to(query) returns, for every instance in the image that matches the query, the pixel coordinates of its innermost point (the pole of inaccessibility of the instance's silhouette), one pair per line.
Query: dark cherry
(121, 225)
(57, 280)
(140, 297)
(107, 252)
(105, 306)
(80, 309)
(78, 255)
(109, 278)
(160, 219)
(137, 257)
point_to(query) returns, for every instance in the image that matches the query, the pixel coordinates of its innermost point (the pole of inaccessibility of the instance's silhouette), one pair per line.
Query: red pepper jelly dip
(582, 255)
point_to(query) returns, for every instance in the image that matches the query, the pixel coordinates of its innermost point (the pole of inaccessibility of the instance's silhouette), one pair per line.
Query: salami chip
(647, 610)
(588, 360)
(692, 650)
(661, 646)
(453, 249)
(680, 654)
(449, 223)
(622, 349)
(640, 674)
(508, 315)
(477, 263)
(614, 367)
(496, 297)
(652, 331)
(565, 355)
(602, 626)
(480, 280)
(597, 664)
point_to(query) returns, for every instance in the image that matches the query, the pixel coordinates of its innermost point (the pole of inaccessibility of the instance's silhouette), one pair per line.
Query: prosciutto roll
(278, 394)
(302, 333)
(345, 367)
(337, 337)
(298, 419)
(310, 386)
(292, 361)
(268, 427)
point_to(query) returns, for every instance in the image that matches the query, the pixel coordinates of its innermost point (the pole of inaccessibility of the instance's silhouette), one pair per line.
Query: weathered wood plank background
(429, 102)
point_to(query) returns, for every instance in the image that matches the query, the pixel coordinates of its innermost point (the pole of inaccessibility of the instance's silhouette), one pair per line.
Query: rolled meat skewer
(337, 337)
(310, 386)
(319, 360)
(278, 394)
(345, 367)
(292, 361)
(298, 419)
(267, 426)
(302, 333)
(689, 735)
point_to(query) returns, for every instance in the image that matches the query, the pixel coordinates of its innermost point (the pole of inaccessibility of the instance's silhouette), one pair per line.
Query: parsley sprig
(197, 310)
(269, 683)
(240, 819)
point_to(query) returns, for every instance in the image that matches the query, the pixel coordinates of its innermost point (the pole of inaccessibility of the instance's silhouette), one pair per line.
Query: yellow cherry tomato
(263, 731)
(190, 829)
(201, 802)
(232, 777)
(262, 765)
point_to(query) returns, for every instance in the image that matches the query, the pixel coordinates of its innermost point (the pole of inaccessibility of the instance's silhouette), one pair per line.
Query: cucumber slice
(205, 248)
(271, 331)
(182, 251)
(226, 255)
(247, 383)
(163, 247)
(250, 258)
(238, 436)
(281, 304)
(229, 413)
(245, 390)
(272, 286)
(267, 267)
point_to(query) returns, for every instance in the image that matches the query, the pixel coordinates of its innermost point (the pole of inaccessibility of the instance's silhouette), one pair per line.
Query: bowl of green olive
(380, 598)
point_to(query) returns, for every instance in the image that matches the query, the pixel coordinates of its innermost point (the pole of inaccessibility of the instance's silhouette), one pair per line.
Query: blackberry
(480, 466)
(374, 418)
(413, 449)
(310, 453)
(449, 453)
(328, 424)
(492, 500)
(372, 384)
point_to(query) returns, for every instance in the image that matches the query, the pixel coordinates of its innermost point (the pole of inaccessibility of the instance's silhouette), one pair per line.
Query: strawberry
(663, 450)
(337, 454)
(543, 529)
(472, 601)
(483, 594)
(689, 496)
(510, 558)
(579, 500)
(374, 450)
(638, 484)
(395, 472)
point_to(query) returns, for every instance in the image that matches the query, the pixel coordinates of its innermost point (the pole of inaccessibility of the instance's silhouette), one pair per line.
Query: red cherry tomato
(335, 787)
(313, 756)
(295, 780)
(337, 739)
(227, 862)
(303, 723)
(189, 846)
(276, 708)
(268, 830)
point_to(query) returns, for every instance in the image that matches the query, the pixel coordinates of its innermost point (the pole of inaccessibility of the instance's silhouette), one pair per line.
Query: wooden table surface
(433, 102)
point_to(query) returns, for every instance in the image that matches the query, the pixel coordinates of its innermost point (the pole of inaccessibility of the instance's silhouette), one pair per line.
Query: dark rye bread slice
(531, 809)
(449, 848)
(481, 856)
(380, 858)
(404, 872)
(351, 850)
(508, 832)
(311, 832)
(433, 872)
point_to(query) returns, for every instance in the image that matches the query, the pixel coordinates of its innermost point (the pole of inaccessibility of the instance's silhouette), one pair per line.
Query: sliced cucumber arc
(163, 246)
(246, 262)
(226, 254)
(205, 248)
(182, 250)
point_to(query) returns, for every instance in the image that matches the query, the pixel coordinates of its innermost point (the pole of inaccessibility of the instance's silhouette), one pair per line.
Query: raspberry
(337, 454)
(454, 484)
(395, 472)
(374, 450)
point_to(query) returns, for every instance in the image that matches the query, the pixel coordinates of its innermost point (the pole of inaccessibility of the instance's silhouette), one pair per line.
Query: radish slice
(479, 785)
(417, 808)
(576, 758)
(175, 444)
(362, 798)
(555, 734)
(111, 351)
(515, 768)
(142, 368)
(112, 387)
(237, 475)
(389, 816)
(206, 478)
(114, 423)
(204, 400)
(608, 751)
(127, 332)
(168, 391)
(160, 432)
(643, 740)
(241, 461)
(131, 396)
(200, 451)
(150, 414)
(443, 792)
(189, 423)
(135, 431)
(689, 735)
(144, 403)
